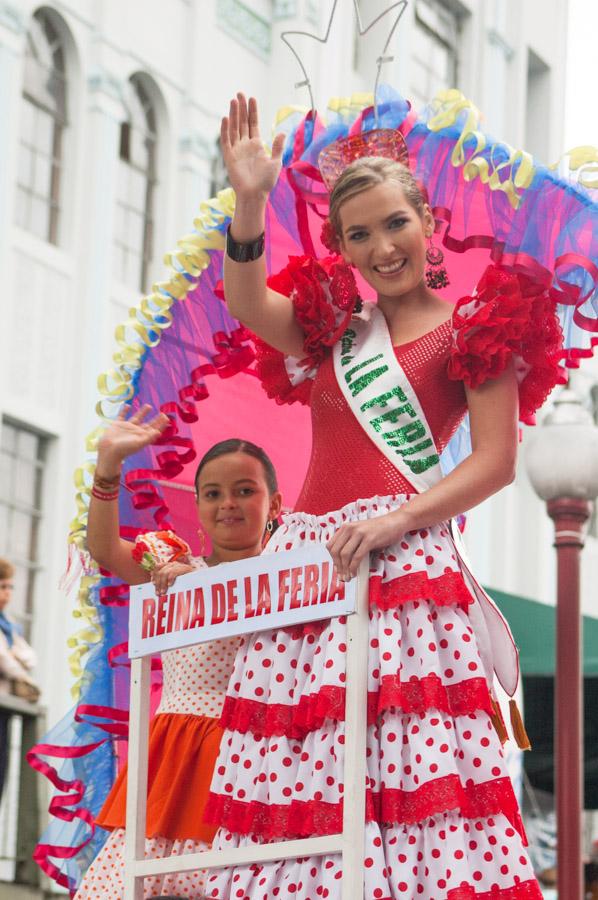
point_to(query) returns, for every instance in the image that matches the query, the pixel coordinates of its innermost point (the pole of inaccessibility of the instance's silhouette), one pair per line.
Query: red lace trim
(324, 294)
(302, 818)
(414, 696)
(525, 890)
(449, 589)
(271, 719)
(474, 801)
(272, 372)
(420, 694)
(510, 315)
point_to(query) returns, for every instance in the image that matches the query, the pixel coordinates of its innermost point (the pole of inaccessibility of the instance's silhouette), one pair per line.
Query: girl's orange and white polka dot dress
(183, 746)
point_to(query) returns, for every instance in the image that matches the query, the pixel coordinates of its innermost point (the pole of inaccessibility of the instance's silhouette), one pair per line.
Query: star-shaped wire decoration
(399, 5)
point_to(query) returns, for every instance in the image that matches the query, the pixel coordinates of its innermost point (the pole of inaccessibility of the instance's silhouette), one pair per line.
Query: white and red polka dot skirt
(104, 879)
(442, 818)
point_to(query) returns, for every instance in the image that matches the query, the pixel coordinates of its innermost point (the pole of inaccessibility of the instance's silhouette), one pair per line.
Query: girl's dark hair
(236, 445)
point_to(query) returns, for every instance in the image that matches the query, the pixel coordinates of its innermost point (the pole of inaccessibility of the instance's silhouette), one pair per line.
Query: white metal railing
(24, 794)
(349, 842)
(9, 808)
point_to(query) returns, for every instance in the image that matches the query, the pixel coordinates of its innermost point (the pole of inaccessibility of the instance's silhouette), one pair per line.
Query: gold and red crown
(386, 142)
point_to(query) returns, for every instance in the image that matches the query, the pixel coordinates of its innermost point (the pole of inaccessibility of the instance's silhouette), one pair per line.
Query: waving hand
(251, 171)
(123, 437)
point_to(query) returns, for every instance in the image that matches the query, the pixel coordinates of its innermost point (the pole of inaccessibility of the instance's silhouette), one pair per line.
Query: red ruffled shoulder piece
(324, 295)
(510, 315)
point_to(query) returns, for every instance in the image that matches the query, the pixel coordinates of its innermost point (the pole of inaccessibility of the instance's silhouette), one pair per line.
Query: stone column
(96, 217)
(13, 26)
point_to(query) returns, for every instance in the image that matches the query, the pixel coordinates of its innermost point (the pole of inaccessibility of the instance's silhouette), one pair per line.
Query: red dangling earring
(436, 274)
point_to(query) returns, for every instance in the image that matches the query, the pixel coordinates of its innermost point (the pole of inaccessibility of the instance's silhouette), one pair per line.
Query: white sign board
(270, 591)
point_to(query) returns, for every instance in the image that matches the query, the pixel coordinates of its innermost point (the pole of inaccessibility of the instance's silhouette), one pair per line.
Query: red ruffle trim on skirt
(304, 818)
(420, 694)
(525, 890)
(182, 753)
(299, 818)
(274, 719)
(474, 801)
(448, 589)
(414, 696)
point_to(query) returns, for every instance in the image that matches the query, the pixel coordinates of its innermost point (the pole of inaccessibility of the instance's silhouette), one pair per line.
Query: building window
(134, 225)
(537, 123)
(43, 123)
(218, 174)
(22, 461)
(434, 51)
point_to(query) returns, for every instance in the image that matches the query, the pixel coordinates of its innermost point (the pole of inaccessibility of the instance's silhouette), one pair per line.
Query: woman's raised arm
(253, 174)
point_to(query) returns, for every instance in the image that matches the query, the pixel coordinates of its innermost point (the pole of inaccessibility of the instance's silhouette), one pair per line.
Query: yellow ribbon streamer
(141, 331)
(450, 107)
(353, 105)
(584, 161)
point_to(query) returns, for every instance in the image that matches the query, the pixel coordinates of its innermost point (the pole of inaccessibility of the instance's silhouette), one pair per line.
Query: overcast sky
(581, 111)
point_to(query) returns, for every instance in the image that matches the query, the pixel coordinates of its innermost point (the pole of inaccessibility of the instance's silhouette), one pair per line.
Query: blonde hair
(6, 570)
(367, 173)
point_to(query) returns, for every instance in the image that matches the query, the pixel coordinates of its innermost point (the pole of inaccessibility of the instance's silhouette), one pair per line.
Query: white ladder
(350, 842)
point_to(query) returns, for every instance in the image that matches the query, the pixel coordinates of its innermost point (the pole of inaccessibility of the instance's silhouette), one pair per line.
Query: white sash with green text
(383, 400)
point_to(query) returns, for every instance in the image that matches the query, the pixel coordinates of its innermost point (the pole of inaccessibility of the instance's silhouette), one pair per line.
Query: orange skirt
(182, 754)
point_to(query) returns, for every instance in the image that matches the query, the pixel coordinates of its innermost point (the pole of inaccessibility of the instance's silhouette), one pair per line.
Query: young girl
(388, 387)
(237, 498)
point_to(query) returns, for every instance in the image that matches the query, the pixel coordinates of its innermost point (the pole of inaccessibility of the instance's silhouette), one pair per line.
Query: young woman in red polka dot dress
(237, 495)
(388, 387)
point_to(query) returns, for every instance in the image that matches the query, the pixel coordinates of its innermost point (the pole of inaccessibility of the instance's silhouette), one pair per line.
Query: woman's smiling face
(384, 237)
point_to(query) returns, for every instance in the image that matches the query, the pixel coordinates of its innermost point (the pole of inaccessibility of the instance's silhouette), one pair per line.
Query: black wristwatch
(244, 252)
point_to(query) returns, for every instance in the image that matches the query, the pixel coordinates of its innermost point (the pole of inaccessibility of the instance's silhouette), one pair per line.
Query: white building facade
(110, 115)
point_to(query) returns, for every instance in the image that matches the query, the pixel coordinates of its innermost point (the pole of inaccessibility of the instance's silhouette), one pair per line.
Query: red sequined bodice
(345, 465)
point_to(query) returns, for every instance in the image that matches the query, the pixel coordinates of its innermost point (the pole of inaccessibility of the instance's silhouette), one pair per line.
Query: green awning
(533, 625)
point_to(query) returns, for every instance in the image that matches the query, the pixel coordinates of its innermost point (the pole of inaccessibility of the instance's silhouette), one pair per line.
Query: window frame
(444, 13)
(143, 251)
(28, 195)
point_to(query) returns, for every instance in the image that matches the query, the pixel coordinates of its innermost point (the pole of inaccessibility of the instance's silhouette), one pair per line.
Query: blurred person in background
(17, 659)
